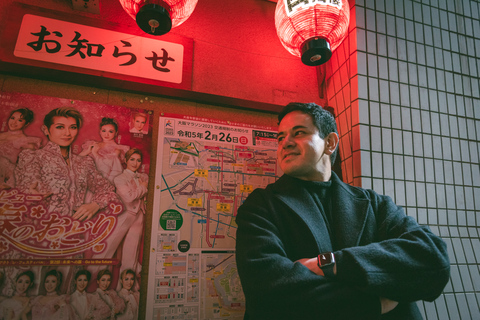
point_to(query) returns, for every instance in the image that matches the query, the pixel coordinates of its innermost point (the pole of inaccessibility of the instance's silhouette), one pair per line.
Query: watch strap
(326, 262)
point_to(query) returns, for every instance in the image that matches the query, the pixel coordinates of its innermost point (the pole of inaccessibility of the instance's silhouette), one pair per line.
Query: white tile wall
(417, 77)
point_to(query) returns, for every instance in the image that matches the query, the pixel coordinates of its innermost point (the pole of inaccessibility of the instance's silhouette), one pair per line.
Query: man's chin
(290, 170)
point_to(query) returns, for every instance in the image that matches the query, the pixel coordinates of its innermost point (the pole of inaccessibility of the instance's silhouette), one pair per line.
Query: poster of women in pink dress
(73, 186)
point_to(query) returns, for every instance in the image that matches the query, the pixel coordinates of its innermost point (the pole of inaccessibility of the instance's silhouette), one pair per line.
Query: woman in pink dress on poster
(18, 306)
(107, 297)
(127, 293)
(107, 154)
(12, 142)
(52, 306)
(87, 306)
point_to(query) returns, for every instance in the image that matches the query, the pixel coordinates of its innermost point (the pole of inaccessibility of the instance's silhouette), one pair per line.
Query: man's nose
(288, 141)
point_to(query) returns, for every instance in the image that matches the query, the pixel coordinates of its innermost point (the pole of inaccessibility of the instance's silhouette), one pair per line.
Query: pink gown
(11, 143)
(108, 305)
(131, 299)
(10, 307)
(57, 308)
(106, 158)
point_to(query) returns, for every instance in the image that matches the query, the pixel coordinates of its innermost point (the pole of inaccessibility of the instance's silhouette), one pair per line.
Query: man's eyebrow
(299, 127)
(282, 133)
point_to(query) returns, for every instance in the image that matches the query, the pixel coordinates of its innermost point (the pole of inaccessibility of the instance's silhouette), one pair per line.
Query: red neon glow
(297, 22)
(180, 10)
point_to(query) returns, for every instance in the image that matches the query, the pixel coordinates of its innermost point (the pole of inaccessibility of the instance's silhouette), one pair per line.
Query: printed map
(206, 183)
(205, 170)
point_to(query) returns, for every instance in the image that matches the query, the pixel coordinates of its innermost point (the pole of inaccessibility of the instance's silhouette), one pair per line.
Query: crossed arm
(404, 264)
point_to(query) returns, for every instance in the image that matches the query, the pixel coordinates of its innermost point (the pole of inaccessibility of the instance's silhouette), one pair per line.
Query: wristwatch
(326, 262)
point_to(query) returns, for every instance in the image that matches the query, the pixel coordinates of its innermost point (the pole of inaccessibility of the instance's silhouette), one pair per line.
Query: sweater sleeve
(407, 263)
(276, 287)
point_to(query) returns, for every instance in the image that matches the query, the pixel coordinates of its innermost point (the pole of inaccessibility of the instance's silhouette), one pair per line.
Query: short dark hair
(65, 112)
(26, 113)
(323, 120)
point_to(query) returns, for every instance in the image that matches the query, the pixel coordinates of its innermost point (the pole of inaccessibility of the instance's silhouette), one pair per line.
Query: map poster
(73, 184)
(205, 170)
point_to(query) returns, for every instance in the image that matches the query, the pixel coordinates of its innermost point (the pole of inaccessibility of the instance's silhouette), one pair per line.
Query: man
(312, 247)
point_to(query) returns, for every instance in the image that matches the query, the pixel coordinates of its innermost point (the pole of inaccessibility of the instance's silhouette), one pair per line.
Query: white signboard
(76, 45)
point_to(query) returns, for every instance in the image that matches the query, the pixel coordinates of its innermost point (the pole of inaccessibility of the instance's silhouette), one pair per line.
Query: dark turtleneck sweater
(320, 192)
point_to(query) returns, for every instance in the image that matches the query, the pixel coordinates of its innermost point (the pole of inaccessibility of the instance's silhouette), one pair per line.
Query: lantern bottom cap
(154, 19)
(316, 52)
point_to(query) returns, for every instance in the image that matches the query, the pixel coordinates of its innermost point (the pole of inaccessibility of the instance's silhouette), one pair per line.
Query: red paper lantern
(312, 29)
(158, 17)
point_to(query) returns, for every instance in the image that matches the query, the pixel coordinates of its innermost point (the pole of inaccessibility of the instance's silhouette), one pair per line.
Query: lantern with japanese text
(158, 17)
(312, 29)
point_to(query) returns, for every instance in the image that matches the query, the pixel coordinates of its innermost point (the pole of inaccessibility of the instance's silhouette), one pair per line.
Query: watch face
(325, 258)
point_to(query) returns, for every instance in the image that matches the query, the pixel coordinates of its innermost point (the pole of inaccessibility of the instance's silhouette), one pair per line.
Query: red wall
(237, 57)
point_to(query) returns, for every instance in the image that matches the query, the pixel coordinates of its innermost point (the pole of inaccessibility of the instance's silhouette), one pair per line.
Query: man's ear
(331, 143)
(45, 130)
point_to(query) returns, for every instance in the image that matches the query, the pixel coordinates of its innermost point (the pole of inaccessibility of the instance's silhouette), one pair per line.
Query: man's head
(308, 139)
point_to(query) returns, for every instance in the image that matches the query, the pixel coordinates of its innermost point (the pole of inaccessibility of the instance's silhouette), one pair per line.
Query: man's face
(139, 122)
(63, 131)
(301, 152)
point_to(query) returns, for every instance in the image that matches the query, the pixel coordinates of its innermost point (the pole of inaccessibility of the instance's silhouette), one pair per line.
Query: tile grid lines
(462, 299)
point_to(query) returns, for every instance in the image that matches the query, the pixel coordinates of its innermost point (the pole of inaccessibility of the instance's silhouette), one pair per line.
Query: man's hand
(86, 211)
(387, 305)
